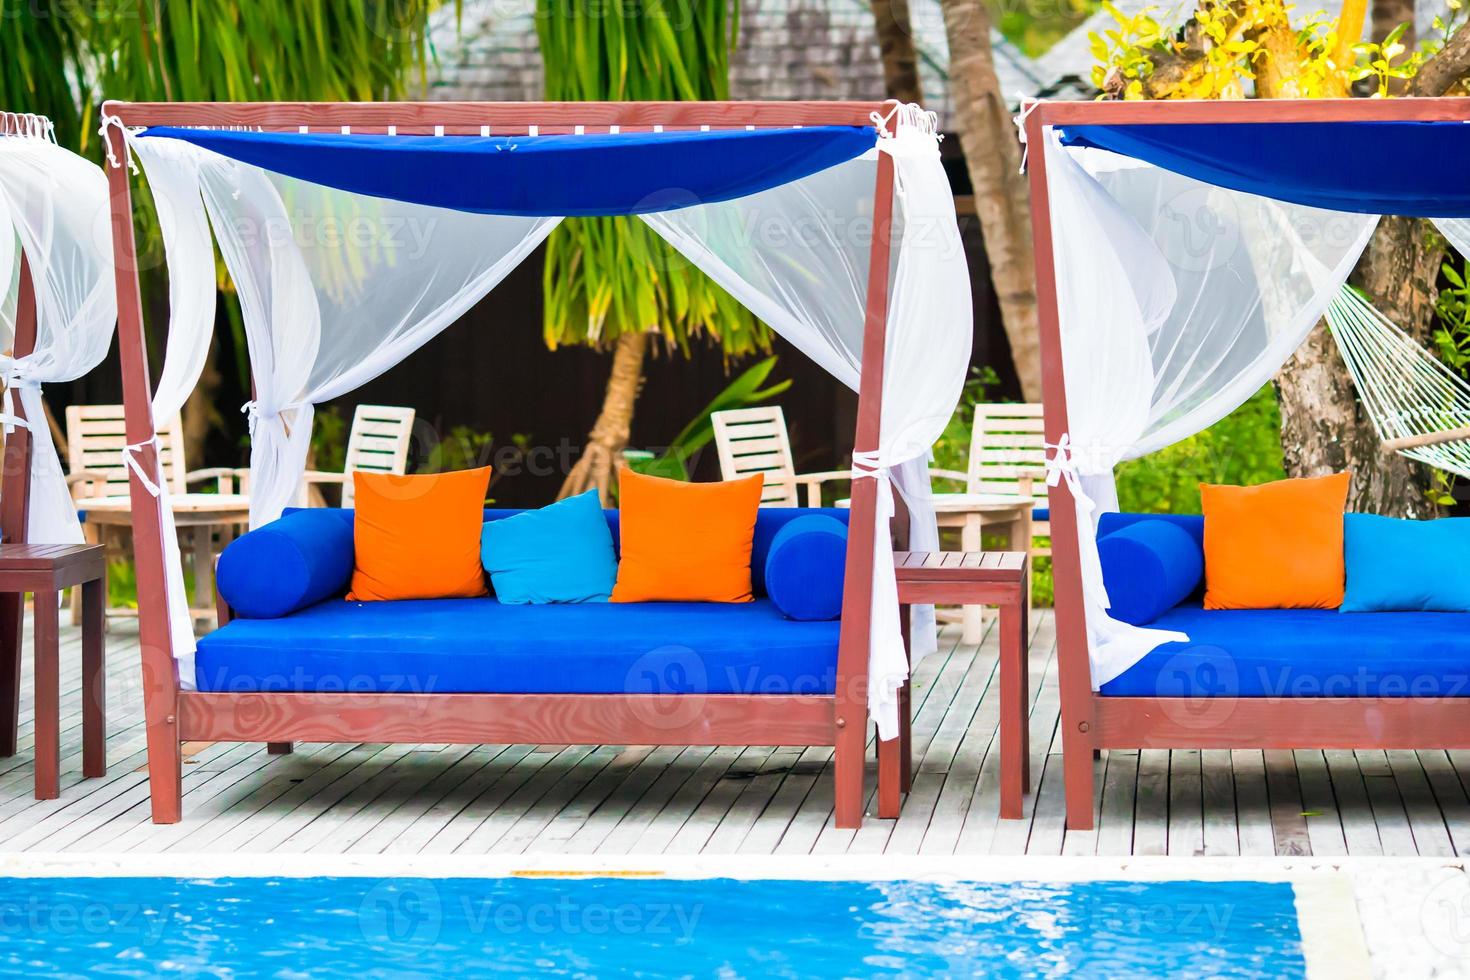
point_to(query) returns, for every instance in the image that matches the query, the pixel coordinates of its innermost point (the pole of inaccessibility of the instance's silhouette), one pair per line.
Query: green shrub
(1244, 448)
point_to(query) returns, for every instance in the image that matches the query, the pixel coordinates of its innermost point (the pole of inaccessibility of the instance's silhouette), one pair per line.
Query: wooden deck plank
(1359, 830)
(1387, 806)
(1115, 815)
(1426, 822)
(1186, 834)
(1151, 814)
(1217, 796)
(1319, 804)
(1283, 786)
(1450, 794)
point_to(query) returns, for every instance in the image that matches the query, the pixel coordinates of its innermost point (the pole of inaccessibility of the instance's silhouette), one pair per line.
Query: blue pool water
(321, 927)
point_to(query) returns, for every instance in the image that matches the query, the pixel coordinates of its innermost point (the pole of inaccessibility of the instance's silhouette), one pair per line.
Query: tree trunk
(993, 158)
(1323, 427)
(597, 468)
(896, 49)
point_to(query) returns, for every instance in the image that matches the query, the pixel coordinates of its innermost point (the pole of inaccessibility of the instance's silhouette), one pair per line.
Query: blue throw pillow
(1149, 567)
(561, 553)
(1396, 565)
(291, 563)
(805, 566)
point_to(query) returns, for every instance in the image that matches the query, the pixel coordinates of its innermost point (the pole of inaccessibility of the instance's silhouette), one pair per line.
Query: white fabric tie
(130, 460)
(16, 378)
(1027, 107)
(109, 122)
(254, 413)
(869, 465)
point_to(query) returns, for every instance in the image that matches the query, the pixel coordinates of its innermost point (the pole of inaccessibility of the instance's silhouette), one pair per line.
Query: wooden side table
(970, 578)
(46, 569)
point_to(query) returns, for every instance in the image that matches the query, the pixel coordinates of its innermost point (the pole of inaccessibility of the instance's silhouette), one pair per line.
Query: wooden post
(849, 756)
(15, 509)
(1074, 671)
(160, 670)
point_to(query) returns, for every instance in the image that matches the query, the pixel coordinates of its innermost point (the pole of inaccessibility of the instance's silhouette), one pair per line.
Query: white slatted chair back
(377, 443)
(95, 437)
(1008, 451)
(754, 440)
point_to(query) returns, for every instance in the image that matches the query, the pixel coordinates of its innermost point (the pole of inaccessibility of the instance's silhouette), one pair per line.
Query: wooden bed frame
(175, 715)
(1090, 721)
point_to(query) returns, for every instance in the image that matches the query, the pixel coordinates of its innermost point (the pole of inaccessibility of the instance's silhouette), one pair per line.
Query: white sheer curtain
(173, 178)
(1457, 230)
(1177, 301)
(56, 206)
(797, 256)
(335, 288)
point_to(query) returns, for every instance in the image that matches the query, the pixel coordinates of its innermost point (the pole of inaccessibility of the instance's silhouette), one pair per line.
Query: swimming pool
(646, 926)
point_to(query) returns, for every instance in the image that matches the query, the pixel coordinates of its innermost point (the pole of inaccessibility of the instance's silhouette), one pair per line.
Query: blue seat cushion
(483, 646)
(1256, 653)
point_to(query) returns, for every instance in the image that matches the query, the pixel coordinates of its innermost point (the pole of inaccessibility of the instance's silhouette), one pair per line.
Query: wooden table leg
(202, 539)
(973, 617)
(1014, 735)
(12, 606)
(94, 679)
(48, 700)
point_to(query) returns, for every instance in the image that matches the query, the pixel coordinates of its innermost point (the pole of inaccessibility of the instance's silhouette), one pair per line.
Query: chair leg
(48, 700)
(11, 612)
(848, 759)
(973, 617)
(94, 679)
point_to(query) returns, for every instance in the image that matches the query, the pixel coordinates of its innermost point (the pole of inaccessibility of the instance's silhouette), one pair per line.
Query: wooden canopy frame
(15, 488)
(1090, 721)
(174, 715)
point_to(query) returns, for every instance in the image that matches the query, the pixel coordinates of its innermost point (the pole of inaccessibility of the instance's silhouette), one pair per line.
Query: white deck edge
(837, 867)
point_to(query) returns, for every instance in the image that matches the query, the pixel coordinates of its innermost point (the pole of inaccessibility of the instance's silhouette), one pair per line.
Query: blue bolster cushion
(289, 564)
(1149, 567)
(805, 565)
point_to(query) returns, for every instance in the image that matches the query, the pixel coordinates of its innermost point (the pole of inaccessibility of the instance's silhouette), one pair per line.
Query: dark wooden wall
(492, 372)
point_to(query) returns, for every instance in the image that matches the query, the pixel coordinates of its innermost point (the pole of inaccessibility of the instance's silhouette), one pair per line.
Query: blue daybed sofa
(1267, 653)
(480, 646)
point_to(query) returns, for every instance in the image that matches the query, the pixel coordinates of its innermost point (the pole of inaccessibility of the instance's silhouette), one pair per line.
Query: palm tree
(611, 283)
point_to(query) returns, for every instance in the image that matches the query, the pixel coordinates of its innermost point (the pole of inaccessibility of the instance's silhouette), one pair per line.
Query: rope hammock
(1419, 406)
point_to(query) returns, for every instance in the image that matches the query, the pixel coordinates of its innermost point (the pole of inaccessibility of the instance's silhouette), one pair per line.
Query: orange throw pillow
(685, 542)
(1275, 546)
(418, 537)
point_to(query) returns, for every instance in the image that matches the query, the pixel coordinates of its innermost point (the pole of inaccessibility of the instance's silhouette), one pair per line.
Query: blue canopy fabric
(1338, 165)
(534, 176)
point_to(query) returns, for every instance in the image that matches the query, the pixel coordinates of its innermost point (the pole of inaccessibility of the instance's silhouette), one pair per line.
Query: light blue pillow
(561, 553)
(1396, 565)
